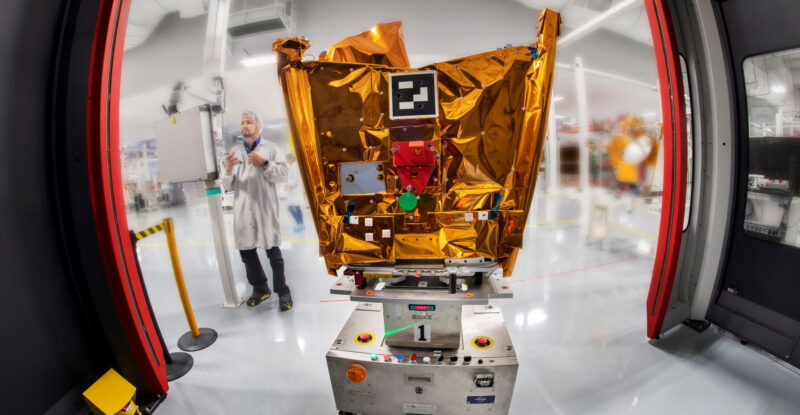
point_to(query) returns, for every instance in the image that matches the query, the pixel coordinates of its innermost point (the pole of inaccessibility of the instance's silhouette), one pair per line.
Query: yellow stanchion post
(196, 338)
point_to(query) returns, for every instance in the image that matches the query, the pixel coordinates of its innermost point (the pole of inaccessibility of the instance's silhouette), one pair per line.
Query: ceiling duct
(253, 25)
(257, 17)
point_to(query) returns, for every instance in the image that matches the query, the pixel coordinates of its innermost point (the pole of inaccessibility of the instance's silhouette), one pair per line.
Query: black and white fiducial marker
(413, 95)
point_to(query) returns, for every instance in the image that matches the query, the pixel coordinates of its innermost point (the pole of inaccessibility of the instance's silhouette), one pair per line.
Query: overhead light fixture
(595, 22)
(557, 99)
(778, 89)
(258, 61)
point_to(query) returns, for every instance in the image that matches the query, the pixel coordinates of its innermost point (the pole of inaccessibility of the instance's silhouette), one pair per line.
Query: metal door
(757, 296)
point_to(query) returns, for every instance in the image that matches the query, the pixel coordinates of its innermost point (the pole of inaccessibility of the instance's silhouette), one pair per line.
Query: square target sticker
(413, 95)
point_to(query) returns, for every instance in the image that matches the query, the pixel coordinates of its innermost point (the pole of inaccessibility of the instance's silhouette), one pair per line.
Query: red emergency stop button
(364, 338)
(482, 342)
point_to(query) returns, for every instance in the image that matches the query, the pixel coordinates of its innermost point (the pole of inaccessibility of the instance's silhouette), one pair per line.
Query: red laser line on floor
(555, 274)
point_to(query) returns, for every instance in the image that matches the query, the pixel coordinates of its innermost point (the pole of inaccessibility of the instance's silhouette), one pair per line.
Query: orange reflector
(356, 373)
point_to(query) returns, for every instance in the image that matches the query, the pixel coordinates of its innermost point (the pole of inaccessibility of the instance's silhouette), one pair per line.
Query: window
(689, 140)
(772, 84)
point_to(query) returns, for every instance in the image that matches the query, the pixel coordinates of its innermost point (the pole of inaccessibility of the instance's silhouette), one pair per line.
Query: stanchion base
(181, 364)
(189, 343)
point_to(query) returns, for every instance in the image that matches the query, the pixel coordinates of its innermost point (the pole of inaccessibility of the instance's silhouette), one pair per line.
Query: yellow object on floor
(111, 395)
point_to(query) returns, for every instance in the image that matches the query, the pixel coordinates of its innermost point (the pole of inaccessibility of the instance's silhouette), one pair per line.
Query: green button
(408, 201)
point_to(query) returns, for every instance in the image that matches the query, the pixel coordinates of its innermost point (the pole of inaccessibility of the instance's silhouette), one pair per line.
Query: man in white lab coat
(251, 171)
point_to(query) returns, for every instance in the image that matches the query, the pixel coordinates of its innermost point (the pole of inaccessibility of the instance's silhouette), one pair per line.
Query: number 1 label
(422, 333)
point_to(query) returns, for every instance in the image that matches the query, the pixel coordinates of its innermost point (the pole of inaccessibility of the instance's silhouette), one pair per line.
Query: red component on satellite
(414, 162)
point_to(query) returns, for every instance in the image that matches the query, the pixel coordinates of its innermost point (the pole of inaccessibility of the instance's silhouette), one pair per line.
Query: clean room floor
(577, 320)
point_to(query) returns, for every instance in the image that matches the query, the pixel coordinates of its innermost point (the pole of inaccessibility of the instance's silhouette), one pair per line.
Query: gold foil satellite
(425, 164)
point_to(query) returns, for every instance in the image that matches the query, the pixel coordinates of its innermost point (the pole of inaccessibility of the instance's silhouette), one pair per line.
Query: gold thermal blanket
(488, 138)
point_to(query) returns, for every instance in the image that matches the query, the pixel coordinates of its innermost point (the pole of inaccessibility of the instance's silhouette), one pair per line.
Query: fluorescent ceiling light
(258, 60)
(595, 22)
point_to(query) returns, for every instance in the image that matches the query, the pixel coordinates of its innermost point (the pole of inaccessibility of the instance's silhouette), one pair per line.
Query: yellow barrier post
(177, 363)
(195, 339)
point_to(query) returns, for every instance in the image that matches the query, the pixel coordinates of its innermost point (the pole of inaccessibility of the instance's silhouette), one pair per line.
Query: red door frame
(673, 201)
(108, 204)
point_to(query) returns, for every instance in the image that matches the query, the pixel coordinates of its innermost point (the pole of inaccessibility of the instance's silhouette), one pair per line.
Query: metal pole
(213, 66)
(214, 197)
(216, 38)
(195, 339)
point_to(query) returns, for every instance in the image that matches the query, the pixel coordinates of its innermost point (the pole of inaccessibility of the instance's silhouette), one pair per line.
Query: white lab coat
(255, 201)
(294, 186)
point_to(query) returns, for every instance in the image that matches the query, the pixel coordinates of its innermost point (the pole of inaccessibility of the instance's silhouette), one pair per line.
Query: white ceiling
(631, 22)
(434, 31)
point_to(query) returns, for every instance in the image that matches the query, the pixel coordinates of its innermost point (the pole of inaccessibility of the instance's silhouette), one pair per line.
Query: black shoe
(285, 305)
(256, 298)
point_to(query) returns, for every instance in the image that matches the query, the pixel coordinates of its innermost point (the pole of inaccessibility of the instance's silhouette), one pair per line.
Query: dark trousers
(297, 214)
(255, 273)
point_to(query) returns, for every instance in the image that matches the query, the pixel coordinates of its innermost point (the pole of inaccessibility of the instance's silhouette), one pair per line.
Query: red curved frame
(108, 202)
(109, 207)
(673, 201)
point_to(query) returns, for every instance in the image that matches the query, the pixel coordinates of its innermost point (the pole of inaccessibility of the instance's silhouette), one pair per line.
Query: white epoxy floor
(577, 320)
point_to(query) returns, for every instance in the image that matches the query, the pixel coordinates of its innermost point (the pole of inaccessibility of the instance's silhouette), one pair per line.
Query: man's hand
(256, 159)
(230, 162)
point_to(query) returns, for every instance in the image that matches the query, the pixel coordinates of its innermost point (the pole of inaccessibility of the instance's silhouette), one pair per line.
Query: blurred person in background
(294, 192)
(251, 171)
